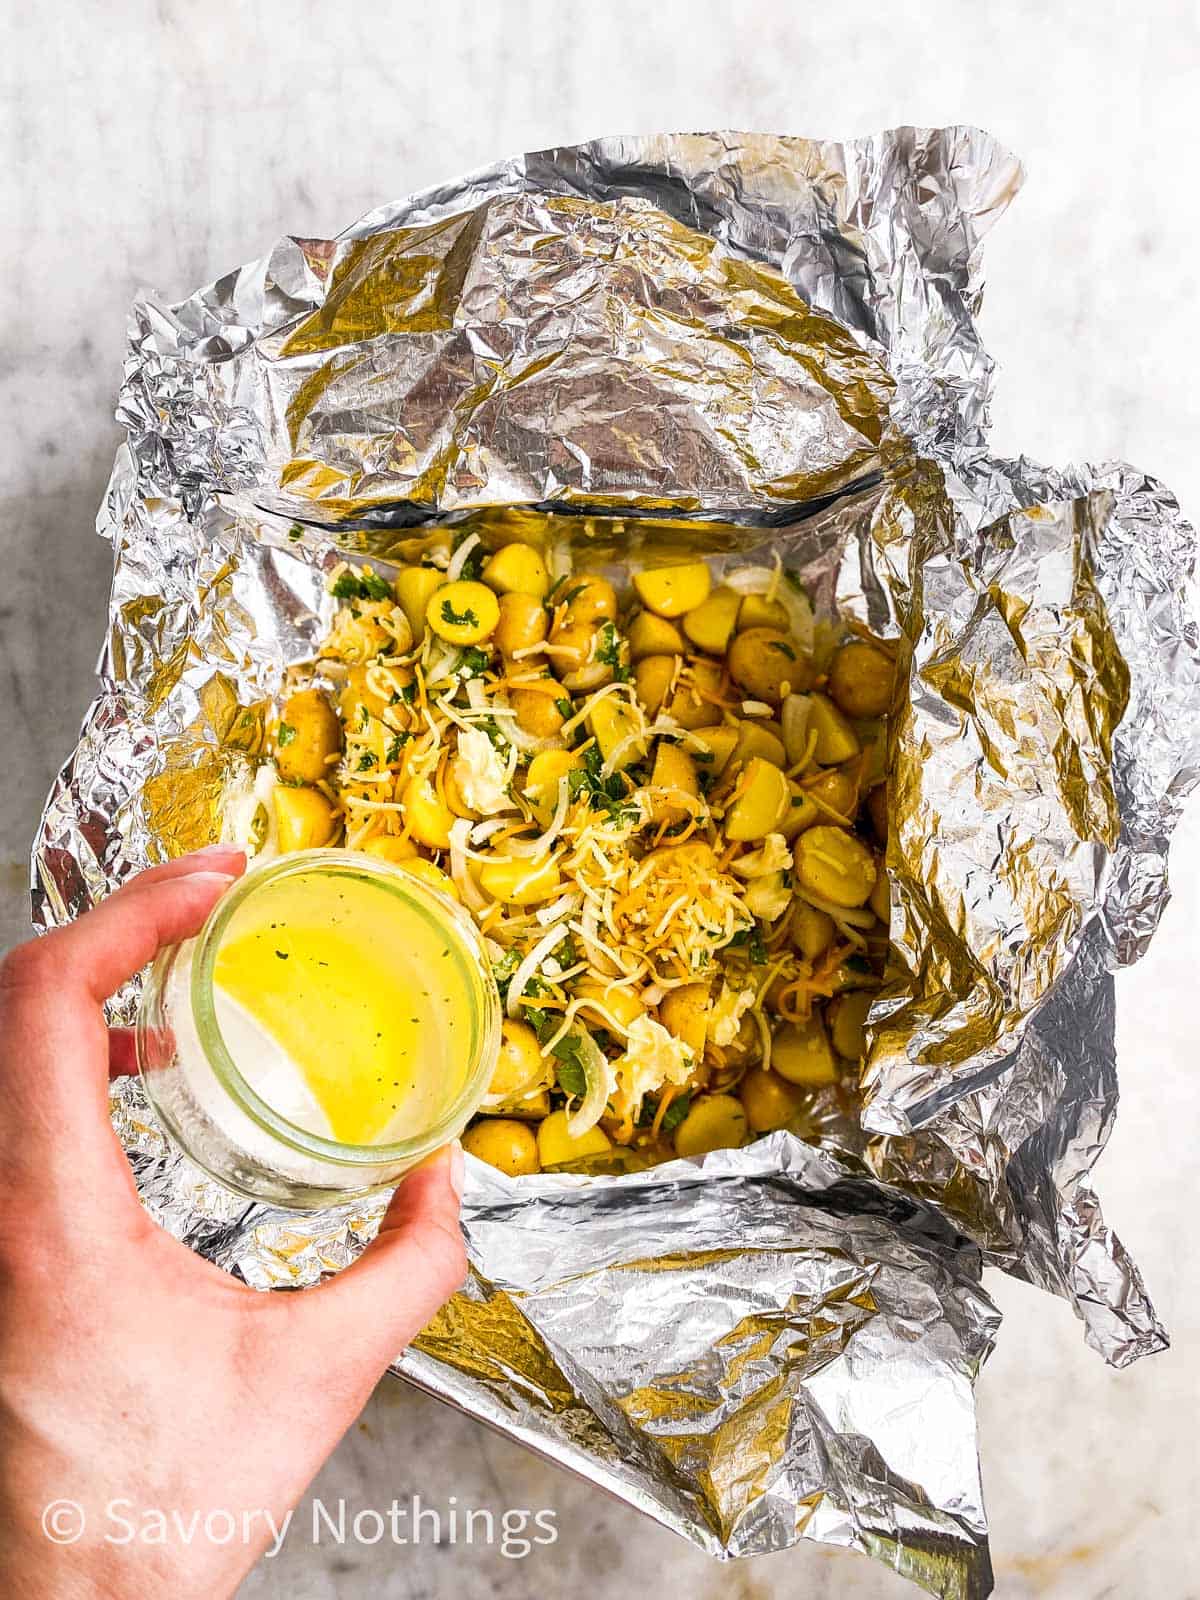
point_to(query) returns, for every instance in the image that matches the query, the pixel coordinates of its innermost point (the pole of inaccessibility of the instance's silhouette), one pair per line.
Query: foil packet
(715, 342)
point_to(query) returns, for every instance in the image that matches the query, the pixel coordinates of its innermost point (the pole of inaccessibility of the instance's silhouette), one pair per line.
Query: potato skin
(304, 819)
(523, 622)
(860, 679)
(762, 660)
(504, 1143)
(316, 734)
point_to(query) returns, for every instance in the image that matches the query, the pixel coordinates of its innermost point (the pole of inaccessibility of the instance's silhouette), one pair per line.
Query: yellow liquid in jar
(339, 993)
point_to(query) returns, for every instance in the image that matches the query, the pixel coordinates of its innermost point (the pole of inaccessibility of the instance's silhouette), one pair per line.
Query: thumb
(374, 1307)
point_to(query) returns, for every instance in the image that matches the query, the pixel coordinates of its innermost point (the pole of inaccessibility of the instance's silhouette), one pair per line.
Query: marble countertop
(163, 143)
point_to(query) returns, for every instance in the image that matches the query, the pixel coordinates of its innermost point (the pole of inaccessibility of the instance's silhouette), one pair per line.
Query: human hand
(130, 1368)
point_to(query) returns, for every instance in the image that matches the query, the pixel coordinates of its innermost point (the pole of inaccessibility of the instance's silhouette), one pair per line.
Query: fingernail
(221, 879)
(458, 1169)
(211, 850)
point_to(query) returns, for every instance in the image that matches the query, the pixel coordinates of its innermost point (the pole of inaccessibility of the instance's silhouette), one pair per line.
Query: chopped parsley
(565, 709)
(458, 619)
(473, 663)
(361, 586)
(285, 734)
(295, 533)
(676, 1111)
(366, 761)
(783, 648)
(395, 745)
(750, 940)
(608, 651)
(605, 793)
(364, 715)
(570, 1072)
(795, 581)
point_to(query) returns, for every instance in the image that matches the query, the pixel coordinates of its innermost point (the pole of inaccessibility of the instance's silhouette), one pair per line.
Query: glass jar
(334, 1021)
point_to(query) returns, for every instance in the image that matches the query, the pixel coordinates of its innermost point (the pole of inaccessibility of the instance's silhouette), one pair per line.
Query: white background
(163, 143)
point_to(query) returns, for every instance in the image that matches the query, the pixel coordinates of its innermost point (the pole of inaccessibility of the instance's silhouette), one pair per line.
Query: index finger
(95, 955)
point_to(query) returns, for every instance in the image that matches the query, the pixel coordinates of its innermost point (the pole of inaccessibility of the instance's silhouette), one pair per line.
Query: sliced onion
(761, 580)
(530, 963)
(459, 559)
(473, 899)
(794, 715)
(595, 1070)
(541, 845)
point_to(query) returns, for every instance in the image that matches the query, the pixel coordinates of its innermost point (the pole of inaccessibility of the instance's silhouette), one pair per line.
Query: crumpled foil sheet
(718, 342)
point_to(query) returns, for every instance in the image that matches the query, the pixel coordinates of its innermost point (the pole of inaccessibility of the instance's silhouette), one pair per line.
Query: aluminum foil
(717, 342)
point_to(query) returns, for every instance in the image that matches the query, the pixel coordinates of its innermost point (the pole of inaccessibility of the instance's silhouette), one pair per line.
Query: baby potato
(418, 867)
(652, 678)
(836, 739)
(694, 856)
(756, 611)
(877, 810)
(537, 710)
(519, 1065)
(762, 802)
(838, 789)
(762, 660)
(860, 679)
(756, 740)
(653, 636)
(589, 600)
(672, 591)
(520, 882)
(800, 1052)
(304, 819)
(847, 1016)
(674, 770)
(546, 770)
(713, 1122)
(689, 705)
(505, 1144)
(710, 624)
(414, 587)
(621, 1005)
(718, 744)
(453, 792)
(523, 622)
(556, 1147)
(770, 1101)
(572, 645)
(614, 722)
(684, 1013)
(746, 1048)
(463, 613)
(517, 569)
(835, 866)
(389, 847)
(355, 694)
(811, 931)
(429, 821)
(308, 734)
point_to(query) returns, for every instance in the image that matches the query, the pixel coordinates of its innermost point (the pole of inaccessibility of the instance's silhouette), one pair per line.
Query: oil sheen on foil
(713, 342)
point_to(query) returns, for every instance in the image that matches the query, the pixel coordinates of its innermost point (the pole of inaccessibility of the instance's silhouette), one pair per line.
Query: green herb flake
(286, 733)
(458, 619)
(366, 761)
(676, 1111)
(784, 649)
(473, 663)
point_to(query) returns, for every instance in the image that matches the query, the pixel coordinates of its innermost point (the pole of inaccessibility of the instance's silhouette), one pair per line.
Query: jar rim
(451, 919)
